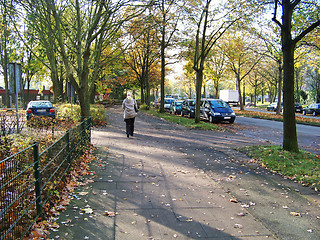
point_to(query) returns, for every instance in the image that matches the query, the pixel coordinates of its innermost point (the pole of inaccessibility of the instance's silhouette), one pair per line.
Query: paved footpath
(169, 182)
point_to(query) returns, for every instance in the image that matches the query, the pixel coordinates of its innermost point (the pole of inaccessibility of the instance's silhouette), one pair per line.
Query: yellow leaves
(110, 213)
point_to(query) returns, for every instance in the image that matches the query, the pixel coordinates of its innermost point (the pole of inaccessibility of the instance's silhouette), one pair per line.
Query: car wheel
(304, 113)
(210, 119)
(231, 121)
(181, 114)
(189, 115)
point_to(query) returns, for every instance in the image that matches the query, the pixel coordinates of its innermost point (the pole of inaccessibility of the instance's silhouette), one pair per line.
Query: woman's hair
(129, 95)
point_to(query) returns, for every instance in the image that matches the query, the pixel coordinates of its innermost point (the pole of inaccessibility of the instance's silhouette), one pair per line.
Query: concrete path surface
(169, 182)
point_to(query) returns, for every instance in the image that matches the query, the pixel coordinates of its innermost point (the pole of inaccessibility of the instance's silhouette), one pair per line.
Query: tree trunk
(199, 76)
(255, 92)
(217, 91)
(239, 91)
(6, 64)
(163, 65)
(279, 88)
(142, 92)
(84, 104)
(290, 140)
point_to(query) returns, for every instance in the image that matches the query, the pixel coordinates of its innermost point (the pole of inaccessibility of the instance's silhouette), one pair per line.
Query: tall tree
(143, 54)
(243, 56)
(308, 12)
(81, 30)
(216, 67)
(7, 45)
(211, 23)
(167, 22)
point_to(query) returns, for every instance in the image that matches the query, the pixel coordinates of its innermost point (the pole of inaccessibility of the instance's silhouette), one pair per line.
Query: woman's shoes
(127, 135)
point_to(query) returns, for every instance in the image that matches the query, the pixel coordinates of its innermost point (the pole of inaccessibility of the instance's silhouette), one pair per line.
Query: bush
(144, 107)
(98, 113)
(63, 111)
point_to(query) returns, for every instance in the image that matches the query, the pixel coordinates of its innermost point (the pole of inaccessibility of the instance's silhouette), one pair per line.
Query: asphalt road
(286, 208)
(272, 131)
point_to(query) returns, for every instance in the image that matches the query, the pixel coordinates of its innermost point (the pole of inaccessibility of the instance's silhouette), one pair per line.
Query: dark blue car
(216, 110)
(188, 108)
(40, 108)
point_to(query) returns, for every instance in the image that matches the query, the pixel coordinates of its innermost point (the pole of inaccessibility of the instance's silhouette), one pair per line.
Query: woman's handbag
(136, 108)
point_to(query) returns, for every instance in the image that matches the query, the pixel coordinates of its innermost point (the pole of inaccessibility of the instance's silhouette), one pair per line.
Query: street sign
(15, 83)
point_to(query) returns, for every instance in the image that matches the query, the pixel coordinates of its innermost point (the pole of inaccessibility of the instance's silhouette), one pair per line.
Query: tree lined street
(169, 181)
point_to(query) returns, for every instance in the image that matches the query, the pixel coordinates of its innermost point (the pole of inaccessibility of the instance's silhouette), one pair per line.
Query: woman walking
(130, 112)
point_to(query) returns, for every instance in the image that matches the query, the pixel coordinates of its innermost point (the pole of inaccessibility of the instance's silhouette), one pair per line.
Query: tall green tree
(167, 22)
(143, 53)
(9, 48)
(81, 30)
(307, 12)
(243, 56)
(216, 67)
(211, 22)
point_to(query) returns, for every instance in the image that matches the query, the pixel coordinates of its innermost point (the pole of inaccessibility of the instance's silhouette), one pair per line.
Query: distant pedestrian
(130, 112)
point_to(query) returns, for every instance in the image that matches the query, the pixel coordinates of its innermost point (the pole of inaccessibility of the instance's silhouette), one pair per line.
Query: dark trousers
(129, 126)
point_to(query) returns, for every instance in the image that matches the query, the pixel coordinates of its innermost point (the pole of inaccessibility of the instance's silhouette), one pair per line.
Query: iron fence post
(68, 147)
(37, 178)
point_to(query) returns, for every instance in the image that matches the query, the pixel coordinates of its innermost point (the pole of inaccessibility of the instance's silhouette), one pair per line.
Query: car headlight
(191, 110)
(216, 114)
(233, 114)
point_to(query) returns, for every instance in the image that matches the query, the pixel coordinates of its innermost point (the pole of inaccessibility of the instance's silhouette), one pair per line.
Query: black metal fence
(9, 123)
(28, 180)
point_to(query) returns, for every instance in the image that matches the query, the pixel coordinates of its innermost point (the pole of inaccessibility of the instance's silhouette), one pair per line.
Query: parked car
(167, 103)
(273, 106)
(216, 110)
(313, 109)
(188, 108)
(298, 107)
(175, 107)
(40, 108)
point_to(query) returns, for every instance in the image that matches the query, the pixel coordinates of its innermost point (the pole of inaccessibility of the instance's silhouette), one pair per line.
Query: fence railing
(28, 180)
(9, 123)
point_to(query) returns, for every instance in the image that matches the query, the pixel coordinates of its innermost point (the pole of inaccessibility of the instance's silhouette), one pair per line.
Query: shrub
(144, 107)
(63, 111)
(98, 113)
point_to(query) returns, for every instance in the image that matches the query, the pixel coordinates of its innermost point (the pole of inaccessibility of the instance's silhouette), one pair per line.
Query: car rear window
(40, 104)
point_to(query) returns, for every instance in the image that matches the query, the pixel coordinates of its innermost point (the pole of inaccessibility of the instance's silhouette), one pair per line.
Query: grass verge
(303, 167)
(186, 122)
(271, 116)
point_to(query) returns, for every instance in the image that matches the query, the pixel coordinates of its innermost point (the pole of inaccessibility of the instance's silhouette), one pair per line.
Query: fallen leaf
(296, 214)
(87, 210)
(83, 193)
(238, 226)
(110, 214)
(234, 200)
